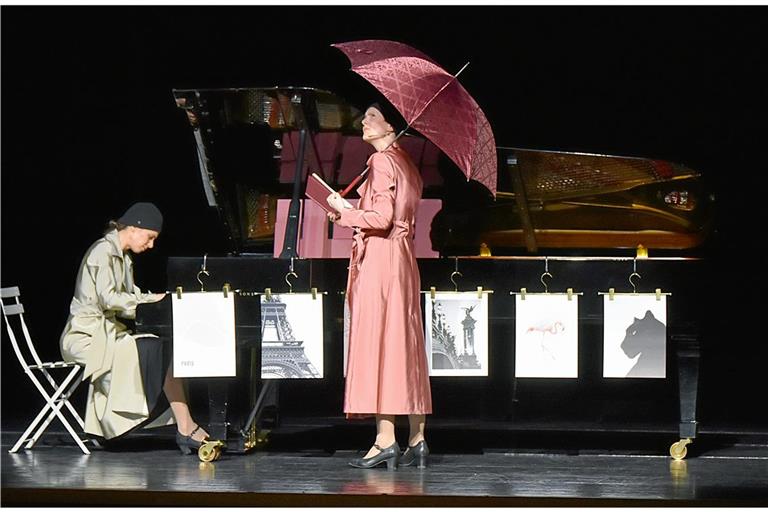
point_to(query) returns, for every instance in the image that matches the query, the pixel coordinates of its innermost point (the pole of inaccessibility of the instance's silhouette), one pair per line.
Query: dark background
(89, 126)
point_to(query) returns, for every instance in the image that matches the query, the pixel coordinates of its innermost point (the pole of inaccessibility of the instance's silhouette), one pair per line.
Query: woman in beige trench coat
(387, 372)
(127, 374)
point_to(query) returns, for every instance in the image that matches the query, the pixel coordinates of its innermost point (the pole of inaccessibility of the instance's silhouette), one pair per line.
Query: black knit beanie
(143, 215)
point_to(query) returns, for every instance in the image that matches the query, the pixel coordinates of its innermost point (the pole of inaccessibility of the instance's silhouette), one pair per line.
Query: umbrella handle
(355, 181)
(352, 185)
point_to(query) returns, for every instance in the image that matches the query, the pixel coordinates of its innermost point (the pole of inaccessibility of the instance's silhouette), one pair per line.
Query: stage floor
(148, 470)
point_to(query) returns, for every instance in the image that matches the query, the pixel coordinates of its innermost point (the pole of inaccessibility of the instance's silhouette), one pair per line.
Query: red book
(318, 191)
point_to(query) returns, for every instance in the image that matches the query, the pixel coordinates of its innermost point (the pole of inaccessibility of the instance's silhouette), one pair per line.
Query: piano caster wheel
(678, 450)
(261, 439)
(210, 451)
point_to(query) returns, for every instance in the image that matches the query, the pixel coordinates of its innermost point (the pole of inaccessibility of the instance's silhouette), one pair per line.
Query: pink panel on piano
(328, 145)
(355, 155)
(313, 231)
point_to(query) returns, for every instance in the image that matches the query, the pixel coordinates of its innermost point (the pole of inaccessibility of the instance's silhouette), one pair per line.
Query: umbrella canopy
(432, 101)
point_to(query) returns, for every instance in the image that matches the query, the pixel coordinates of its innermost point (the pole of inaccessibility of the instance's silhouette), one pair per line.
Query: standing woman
(128, 374)
(387, 372)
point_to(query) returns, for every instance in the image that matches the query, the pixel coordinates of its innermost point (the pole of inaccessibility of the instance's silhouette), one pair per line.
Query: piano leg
(228, 427)
(688, 353)
(268, 396)
(217, 407)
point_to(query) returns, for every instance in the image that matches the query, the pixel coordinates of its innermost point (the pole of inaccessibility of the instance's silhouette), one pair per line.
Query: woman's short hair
(114, 225)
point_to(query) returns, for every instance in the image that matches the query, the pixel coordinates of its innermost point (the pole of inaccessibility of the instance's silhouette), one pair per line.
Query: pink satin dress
(387, 369)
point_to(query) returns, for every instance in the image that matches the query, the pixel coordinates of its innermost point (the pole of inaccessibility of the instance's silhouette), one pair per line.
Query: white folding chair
(56, 395)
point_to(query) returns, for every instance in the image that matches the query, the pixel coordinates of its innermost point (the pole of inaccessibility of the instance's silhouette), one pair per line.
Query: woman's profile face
(374, 125)
(140, 239)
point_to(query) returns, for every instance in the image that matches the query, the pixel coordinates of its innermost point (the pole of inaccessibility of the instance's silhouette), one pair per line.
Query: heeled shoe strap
(193, 432)
(378, 447)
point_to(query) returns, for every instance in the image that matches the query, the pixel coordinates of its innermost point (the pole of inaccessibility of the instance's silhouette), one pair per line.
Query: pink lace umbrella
(432, 101)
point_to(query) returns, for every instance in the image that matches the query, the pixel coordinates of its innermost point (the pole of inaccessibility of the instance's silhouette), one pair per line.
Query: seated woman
(128, 374)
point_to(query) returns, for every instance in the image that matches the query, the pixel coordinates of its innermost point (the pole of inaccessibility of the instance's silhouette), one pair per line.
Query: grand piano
(592, 218)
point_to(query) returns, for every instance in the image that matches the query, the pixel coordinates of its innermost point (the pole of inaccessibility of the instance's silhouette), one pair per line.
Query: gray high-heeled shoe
(186, 444)
(390, 455)
(417, 454)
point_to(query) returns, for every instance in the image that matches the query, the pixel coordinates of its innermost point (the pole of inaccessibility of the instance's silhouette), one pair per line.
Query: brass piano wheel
(210, 451)
(261, 439)
(678, 450)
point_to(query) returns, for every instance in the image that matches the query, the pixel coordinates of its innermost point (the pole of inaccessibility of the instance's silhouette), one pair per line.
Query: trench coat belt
(102, 349)
(358, 248)
(399, 229)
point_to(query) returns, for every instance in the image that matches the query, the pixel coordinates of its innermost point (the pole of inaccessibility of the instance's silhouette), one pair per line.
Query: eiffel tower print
(282, 355)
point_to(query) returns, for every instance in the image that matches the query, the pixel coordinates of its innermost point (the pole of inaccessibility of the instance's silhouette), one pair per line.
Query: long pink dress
(387, 369)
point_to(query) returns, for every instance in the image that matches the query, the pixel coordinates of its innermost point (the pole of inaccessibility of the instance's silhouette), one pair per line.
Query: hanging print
(204, 334)
(635, 336)
(292, 336)
(546, 336)
(457, 334)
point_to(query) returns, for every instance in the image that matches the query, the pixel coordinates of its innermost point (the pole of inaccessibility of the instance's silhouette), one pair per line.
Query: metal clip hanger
(524, 291)
(203, 272)
(433, 290)
(611, 293)
(290, 273)
(456, 273)
(545, 274)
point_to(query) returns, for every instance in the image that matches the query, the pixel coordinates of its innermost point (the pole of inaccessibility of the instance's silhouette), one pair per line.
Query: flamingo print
(544, 328)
